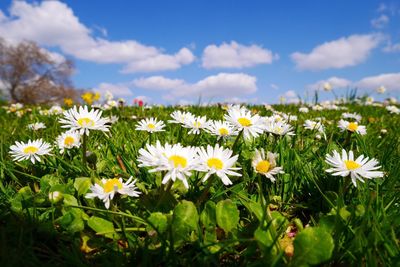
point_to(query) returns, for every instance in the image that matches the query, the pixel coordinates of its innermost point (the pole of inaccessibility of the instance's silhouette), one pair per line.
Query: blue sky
(177, 51)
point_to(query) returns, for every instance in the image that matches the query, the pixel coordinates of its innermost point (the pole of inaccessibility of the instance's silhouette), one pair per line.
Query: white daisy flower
(327, 87)
(369, 101)
(355, 116)
(277, 127)
(150, 157)
(113, 119)
(314, 126)
(358, 169)
(352, 127)
(83, 120)
(289, 117)
(150, 125)
(392, 100)
(55, 110)
(266, 165)
(195, 124)
(242, 119)
(68, 140)
(30, 151)
(381, 89)
(219, 161)
(108, 95)
(177, 160)
(317, 108)
(180, 117)
(304, 110)
(393, 109)
(109, 187)
(222, 129)
(36, 126)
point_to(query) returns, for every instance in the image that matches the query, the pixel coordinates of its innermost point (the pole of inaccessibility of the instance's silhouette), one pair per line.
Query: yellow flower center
(351, 165)
(85, 122)
(353, 126)
(30, 150)
(151, 126)
(263, 166)
(197, 124)
(244, 122)
(111, 184)
(178, 161)
(278, 130)
(215, 163)
(68, 140)
(223, 131)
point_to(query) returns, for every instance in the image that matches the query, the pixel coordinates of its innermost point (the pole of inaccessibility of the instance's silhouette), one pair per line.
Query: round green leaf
(159, 221)
(227, 215)
(312, 246)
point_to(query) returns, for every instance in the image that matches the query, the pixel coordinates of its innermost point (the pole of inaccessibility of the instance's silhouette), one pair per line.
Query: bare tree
(30, 75)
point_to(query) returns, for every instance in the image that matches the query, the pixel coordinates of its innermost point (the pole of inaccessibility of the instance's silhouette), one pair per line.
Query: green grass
(347, 226)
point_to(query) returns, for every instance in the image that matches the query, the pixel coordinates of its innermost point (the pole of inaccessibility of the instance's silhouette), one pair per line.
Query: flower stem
(84, 149)
(206, 190)
(234, 147)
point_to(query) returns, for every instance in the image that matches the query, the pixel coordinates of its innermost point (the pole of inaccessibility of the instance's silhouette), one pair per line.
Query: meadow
(230, 203)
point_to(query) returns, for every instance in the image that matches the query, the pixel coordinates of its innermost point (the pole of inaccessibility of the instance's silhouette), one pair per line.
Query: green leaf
(227, 215)
(312, 246)
(72, 221)
(48, 181)
(101, 226)
(159, 221)
(22, 199)
(70, 200)
(82, 185)
(184, 221)
(208, 215)
(264, 238)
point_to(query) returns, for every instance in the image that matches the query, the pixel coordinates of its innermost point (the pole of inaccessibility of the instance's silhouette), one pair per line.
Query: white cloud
(54, 56)
(235, 55)
(340, 53)
(117, 90)
(380, 22)
(334, 81)
(290, 94)
(291, 97)
(390, 81)
(392, 48)
(158, 83)
(274, 86)
(220, 85)
(240, 100)
(382, 7)
(161, 62)
(54, 24)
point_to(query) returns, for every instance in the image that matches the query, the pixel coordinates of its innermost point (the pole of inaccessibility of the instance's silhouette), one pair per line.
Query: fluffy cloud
(335, 82)
(390, 80)
(340, 53)
(118, 90)
(380, 22)
(158, 83)
(53, 24)
(291, 97)
(392, 48)
(235, 55)
(220, 85)
(165, 62)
